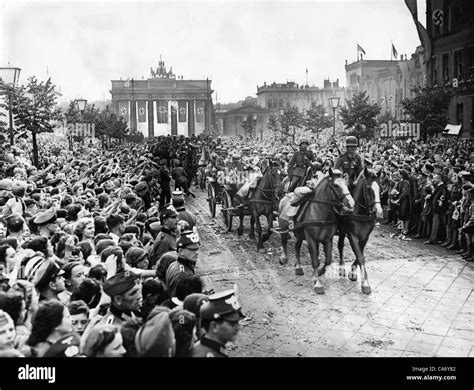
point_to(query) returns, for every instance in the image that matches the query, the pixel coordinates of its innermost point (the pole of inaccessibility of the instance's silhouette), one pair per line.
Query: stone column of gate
(191, 119)
(151, 120)
(133, 116)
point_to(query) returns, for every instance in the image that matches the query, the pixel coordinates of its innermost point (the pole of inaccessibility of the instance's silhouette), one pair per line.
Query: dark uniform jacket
(175, 271)
(165, 242)
(300, 162)
(439, 196)
(208, 348)
(351, 166)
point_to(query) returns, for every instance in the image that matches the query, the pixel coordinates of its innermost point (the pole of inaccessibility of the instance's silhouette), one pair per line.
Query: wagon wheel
(226, 204)
(202, 181)
(211, 198)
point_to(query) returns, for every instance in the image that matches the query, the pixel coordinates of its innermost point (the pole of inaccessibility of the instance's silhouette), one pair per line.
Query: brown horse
(263, 201)
(358, 225)
(316, 223)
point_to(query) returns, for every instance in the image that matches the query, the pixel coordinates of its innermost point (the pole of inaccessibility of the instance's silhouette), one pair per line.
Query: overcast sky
(237, 44)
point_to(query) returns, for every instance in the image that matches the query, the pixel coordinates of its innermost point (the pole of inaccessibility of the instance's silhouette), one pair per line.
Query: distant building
(275, 97)
(164, 104)
(229, 123)
(451, 30)
(387, 82)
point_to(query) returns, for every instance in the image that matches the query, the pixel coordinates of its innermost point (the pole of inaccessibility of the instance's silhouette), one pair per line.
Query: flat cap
(120, 283)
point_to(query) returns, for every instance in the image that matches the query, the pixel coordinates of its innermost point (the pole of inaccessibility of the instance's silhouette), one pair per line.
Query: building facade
(450, 27)
(229, 123)
(387, 82)
(164, 104)
(275, 97)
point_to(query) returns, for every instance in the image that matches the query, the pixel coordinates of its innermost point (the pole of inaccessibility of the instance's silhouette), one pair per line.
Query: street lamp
(10, 75)
(334, 103)
(81, 106)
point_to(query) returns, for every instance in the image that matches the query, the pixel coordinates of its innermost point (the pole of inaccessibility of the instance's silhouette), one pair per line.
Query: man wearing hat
(46, 222)
(143, 192)
(125, 292)
(47, 277)
(183, 214)
(166, 239)
(298, 164)
(188, 248)
(350, 162)
(164, 182)
(220, 318)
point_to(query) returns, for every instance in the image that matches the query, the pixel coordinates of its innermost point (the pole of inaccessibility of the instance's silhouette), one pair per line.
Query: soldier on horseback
(350, 162)
(299, 164)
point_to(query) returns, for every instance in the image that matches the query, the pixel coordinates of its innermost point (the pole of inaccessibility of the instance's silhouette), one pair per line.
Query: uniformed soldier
(125, 292)
(166, 239)
(177, 198)
(299, 163)
(220, 318)
(46, 222)
(350, 162)
(188, 248)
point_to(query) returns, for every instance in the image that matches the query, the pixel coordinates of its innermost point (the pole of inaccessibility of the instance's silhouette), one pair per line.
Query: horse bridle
(369, 206)
(339, 197)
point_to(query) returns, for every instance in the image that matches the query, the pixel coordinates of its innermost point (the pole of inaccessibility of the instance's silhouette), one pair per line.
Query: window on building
(434, 70)
(458, 65)
(270, 104)
(281, 103)
(459, 113)
(470, 62)
(445, 68)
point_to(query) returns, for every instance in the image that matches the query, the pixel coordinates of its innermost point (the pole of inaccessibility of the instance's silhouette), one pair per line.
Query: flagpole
(134, 108)
(391, 52)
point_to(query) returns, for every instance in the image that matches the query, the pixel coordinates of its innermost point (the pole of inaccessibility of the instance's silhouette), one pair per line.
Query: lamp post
(81, 106)
(10, 75)
(334, 103)
(32, 96)
(282, 113)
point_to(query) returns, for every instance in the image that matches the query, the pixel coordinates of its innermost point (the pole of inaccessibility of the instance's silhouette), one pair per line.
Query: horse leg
(363, 271)
(267, 235)
(340, 247)
(313, 247)
(258, 228)
(284, 240)
(298, 269)
(240, 229)
(356, 247)
(252, 227)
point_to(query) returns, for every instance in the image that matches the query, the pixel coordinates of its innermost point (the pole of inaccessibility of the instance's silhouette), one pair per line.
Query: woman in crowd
(51, 322)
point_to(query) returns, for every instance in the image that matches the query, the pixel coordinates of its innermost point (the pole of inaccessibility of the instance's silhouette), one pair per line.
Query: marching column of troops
(98, 254)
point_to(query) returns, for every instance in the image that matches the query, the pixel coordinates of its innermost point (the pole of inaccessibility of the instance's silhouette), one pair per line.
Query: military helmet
(302, 140)
(351, 141)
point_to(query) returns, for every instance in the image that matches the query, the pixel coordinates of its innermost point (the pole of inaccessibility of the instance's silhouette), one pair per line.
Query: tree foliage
(429, 108)
(249, 126)
(34, 109)
(360, 116)
(274, 124)
(291, 120)
(316, 119)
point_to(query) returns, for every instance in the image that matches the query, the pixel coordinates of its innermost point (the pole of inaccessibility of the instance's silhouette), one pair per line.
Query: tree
(274, 124)
(248, 125)
(429, 108)
(291, 120)
(360, 115)
(34, 109)
(316, 119)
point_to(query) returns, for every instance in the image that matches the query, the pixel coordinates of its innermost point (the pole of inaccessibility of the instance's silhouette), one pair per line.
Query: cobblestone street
(421, 303)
